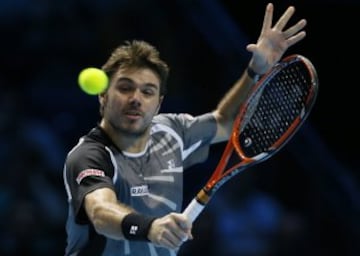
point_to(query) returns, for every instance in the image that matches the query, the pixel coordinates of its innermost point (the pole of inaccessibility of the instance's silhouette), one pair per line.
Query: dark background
(304, 201)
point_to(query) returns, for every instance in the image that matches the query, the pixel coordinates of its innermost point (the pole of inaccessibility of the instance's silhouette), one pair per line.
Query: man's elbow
(224, 126)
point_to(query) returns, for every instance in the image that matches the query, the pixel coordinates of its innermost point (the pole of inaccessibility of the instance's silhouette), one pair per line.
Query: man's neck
(126, 142)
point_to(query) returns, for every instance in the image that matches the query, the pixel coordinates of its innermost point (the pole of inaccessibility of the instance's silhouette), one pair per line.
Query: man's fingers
(295, 29)
(284, 18)
(267, 18)
(294, 39)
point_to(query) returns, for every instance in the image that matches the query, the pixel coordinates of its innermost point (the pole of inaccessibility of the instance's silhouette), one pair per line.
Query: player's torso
(151, 181)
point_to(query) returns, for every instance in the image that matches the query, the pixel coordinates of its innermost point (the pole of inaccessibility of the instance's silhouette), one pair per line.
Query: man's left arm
(268, 50)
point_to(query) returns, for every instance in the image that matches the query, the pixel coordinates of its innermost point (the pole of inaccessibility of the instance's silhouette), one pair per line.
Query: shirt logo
(89, 172)
(171, 164)
(142, 190)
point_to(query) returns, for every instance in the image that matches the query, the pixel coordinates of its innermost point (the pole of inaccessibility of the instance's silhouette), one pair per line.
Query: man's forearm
(229, 105)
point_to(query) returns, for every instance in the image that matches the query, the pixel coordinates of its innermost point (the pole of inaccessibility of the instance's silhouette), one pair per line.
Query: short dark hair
(138, 54)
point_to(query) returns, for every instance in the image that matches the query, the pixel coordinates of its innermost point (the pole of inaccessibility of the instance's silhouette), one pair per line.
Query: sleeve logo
(89, 172)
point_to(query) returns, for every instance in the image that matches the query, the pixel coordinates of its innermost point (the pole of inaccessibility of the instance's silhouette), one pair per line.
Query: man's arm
(109, 217)
(105, 212)
(268, 50)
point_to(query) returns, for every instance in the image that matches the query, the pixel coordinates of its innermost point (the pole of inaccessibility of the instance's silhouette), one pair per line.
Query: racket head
(276, 108)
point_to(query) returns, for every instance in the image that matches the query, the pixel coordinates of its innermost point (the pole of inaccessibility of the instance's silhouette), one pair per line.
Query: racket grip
(193, 210)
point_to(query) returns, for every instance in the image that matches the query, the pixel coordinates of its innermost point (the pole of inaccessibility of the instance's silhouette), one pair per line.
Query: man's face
(132, 100)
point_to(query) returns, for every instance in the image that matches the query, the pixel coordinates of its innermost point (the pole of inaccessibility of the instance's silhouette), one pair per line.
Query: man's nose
(135, 96)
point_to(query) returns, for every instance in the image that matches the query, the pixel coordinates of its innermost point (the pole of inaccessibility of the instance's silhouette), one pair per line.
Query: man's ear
(102, 98)
(159, 105)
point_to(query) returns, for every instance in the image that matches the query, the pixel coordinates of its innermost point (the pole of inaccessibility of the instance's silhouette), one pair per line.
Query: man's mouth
(133, 114)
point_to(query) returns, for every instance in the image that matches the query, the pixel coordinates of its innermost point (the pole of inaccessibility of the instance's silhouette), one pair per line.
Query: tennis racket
(275, 109)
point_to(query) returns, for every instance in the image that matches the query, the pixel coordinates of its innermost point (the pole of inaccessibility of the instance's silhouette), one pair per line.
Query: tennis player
(124, 178)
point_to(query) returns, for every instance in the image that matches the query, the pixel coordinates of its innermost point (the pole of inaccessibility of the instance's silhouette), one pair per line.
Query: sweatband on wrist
(136, 226)
(252, 74)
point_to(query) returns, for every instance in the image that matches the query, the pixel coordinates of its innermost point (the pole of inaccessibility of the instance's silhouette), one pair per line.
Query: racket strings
(274, 108)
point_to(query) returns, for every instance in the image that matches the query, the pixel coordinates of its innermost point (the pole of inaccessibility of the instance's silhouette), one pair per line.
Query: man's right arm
(105, 212)
(107, 216)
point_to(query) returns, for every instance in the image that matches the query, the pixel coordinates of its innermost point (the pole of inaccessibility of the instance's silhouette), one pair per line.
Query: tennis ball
(93, 80)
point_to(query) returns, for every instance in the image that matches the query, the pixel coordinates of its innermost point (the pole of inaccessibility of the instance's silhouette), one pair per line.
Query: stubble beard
(128, 131)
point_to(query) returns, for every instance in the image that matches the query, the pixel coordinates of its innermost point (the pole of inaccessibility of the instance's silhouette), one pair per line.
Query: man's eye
(125, 88)
(148, 92)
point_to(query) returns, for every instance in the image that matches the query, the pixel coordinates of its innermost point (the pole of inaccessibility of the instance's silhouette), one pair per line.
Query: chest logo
(171, 164)
(142, 190)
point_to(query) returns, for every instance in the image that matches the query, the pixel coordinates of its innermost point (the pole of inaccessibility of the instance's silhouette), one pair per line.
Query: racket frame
(219, 176)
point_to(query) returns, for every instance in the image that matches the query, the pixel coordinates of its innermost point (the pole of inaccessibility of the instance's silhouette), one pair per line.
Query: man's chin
(132, 132)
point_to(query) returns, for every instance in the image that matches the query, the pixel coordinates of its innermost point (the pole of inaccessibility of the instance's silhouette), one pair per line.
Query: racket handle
(193, 210)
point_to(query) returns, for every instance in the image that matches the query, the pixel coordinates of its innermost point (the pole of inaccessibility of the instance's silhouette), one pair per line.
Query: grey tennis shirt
(150, 181)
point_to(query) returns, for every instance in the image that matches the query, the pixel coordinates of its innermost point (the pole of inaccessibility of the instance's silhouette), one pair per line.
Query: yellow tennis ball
(93, 80)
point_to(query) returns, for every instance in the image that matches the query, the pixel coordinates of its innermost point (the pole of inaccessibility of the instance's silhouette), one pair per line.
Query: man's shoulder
(183, 123)
(182, 119)
(172, 118)
(94, 141)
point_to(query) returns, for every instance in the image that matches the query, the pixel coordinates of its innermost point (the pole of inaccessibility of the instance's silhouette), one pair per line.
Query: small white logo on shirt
(142, 190)
(171, 164)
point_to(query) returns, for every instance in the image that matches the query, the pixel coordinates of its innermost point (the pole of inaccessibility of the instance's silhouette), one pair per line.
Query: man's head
(137, 87)
(137, 54)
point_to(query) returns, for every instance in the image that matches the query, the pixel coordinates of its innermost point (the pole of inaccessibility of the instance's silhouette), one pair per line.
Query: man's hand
(170, 231)
(274, 41)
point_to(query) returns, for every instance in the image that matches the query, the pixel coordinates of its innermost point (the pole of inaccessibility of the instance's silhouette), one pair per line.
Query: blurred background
(304, 201)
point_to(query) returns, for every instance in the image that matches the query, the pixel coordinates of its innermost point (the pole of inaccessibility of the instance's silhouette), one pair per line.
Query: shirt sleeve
(196, 133)
(87, 167)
